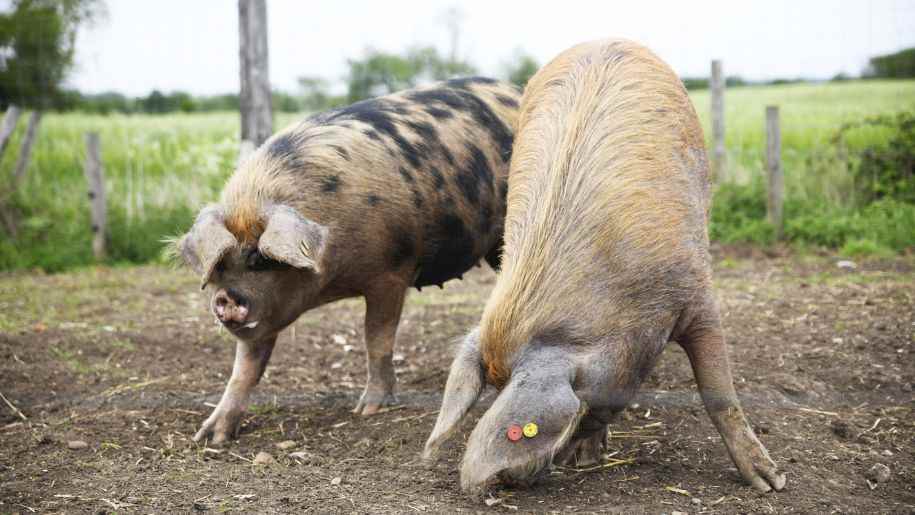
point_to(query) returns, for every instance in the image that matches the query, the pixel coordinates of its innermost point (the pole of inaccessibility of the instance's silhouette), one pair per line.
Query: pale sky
(192, 45)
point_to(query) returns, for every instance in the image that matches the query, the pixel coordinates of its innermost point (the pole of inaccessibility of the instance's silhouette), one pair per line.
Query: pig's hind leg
(703, 341)
(250, 362)
(383, 306)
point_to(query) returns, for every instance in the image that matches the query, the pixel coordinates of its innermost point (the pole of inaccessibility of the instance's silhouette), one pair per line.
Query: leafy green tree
(433, 65)
(521, 69)
(154, 103)
(226, 102)
(379, 73)
(898, 65)
(315, 95)
(37, 41)
(284, 102)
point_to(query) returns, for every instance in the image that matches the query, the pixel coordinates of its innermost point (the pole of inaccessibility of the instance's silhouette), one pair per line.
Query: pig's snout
(230, 307)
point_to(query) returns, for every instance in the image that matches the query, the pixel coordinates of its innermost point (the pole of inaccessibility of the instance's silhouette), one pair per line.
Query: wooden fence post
(25, 152)
(719, 156)
(95, 178)
(256, 114)
(774, 167)
(8, 126)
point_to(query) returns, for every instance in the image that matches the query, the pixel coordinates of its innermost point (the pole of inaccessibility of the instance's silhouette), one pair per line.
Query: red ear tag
(515, 432)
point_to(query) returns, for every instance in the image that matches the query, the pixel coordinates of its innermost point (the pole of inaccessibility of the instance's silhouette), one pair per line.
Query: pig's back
(608, 198)
(415, 180)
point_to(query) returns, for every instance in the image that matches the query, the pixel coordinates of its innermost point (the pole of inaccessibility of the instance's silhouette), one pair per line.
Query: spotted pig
(606, 261)
(403, 190)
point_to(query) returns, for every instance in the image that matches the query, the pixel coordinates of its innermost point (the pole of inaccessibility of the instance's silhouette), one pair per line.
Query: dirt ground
(128, 361)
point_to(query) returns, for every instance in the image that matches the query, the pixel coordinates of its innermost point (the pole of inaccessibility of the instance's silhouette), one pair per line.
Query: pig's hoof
(764, 475)
(756, 467)
(372, 401)
(221, 426)
(583, 452)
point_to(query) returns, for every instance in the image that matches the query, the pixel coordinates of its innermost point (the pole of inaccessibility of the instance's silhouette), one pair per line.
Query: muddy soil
(128, 361)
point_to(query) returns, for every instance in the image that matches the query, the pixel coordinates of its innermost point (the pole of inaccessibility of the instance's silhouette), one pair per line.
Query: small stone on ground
(847, 265)
(879, 473)
(77, 445)
(264, 458)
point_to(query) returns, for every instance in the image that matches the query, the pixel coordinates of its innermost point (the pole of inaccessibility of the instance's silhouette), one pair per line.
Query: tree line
(37, 39)
(375, 73)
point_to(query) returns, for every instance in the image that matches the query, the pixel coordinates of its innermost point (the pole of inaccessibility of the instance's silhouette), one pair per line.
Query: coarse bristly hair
(607, 206)
(171, 251)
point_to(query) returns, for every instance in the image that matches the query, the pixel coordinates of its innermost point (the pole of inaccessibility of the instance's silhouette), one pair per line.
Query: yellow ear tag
(530, 430)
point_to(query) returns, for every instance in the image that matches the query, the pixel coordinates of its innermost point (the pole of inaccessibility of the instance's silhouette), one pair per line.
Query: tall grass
(160, 169)
(821, 206)
(810, 116)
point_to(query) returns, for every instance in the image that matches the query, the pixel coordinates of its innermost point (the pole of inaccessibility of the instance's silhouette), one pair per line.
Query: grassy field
(161, 169)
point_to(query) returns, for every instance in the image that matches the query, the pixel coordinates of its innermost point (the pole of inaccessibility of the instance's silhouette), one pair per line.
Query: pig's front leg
(383, 305)
(703, 342)
(250, 362)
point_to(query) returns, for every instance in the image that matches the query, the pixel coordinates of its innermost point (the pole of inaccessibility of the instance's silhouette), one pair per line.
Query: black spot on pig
(460, 99)
(485, 219)
(507, 101)
(437, 177)
(439, 114)
(373, 200)
(483, 115)
(494, 256)
(377, 113)
(503, 190)
(446, 153)
(430, 97)
(285, 148)
(426, 131)
(468, 186)
(406, 175)
(417, 198)
(464, 82)
(372, 134)
(407, 150)
(342, 152)
(476, 173)
(402, 248)
(449, 254)
(330, 183)
(479, 165)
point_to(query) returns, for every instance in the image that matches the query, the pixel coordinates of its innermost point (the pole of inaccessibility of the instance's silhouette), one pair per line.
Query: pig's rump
(607, 206)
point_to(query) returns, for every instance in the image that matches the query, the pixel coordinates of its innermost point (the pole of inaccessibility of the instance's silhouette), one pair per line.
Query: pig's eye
(259, 262)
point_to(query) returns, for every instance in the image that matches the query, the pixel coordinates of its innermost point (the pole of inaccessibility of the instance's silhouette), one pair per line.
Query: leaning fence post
(716, 86)
(8, 126)
(96, 180)
(774, 167)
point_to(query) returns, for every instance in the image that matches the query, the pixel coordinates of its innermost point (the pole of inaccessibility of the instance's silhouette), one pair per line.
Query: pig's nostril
(236, 297)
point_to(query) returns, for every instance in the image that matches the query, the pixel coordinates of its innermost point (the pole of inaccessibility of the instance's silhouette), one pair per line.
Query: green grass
(161, 169)
(810, 115)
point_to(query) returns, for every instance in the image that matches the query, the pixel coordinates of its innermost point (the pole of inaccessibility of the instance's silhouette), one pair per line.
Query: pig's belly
(451, 248)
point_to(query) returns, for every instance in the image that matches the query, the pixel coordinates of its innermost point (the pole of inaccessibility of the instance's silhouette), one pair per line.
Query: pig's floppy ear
(291, 238)
(206, 243)
(533, 417)
(465, 382)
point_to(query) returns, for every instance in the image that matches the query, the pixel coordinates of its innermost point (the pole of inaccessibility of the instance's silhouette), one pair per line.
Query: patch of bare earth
(127, 361)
